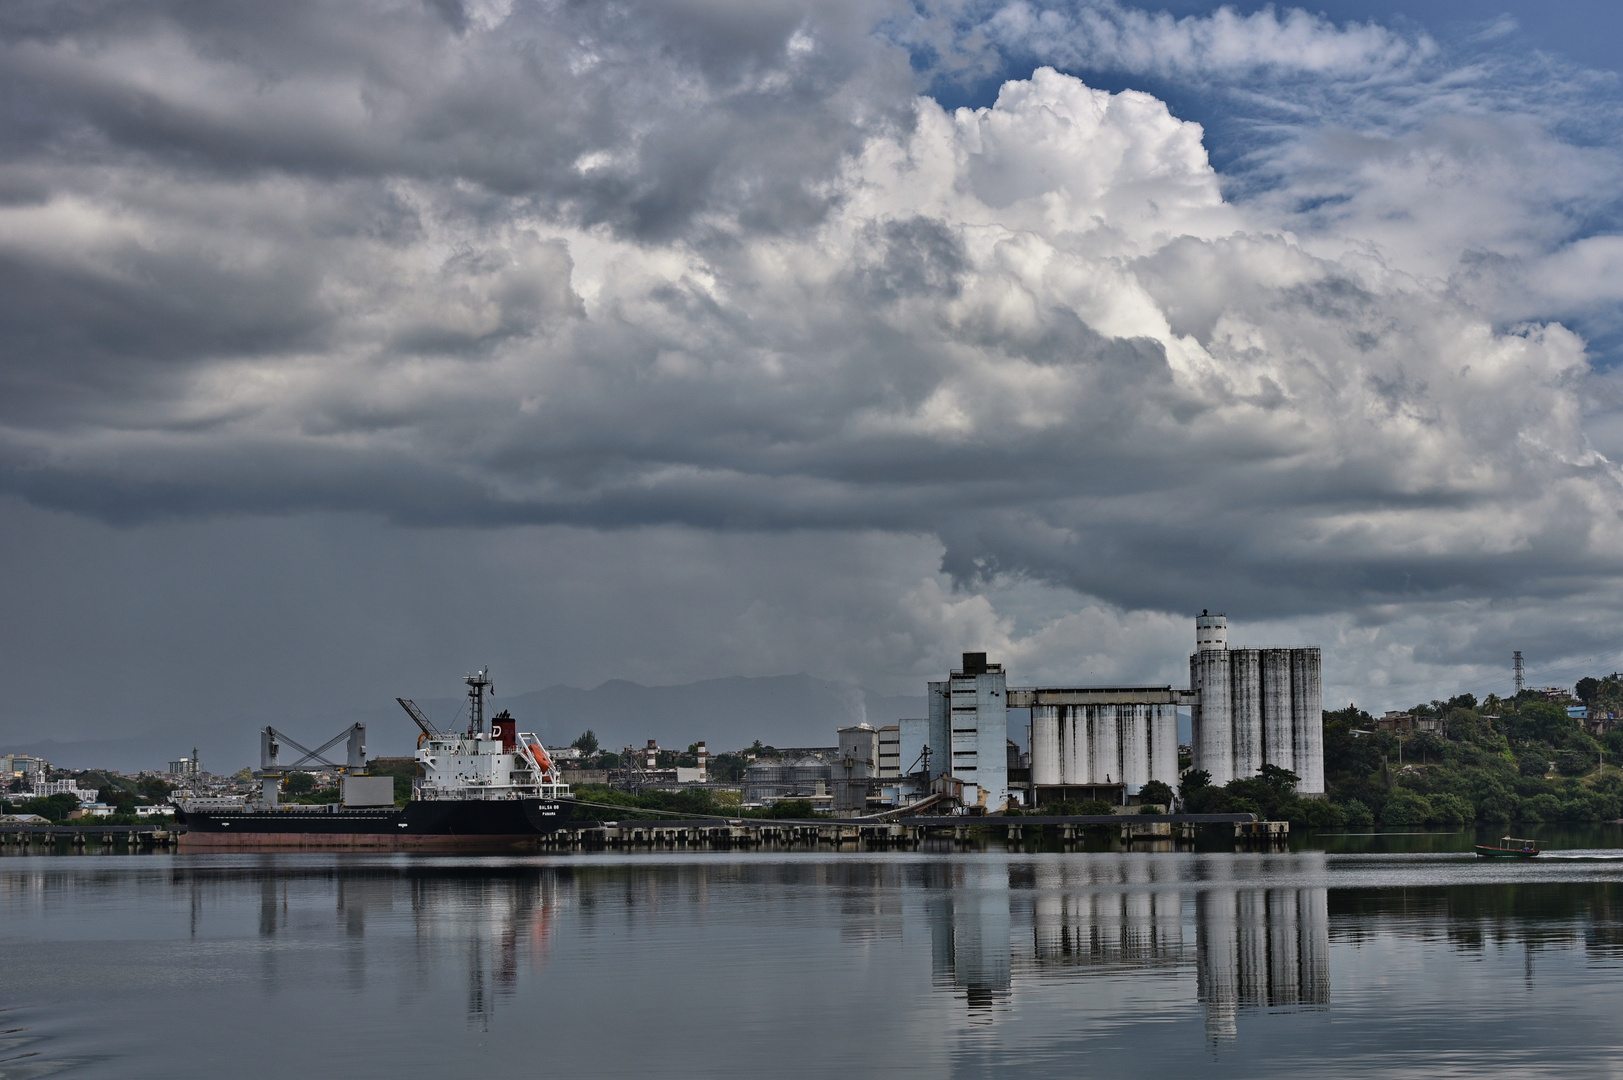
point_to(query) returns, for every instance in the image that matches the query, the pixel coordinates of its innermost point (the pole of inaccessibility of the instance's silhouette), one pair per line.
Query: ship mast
(477, 683)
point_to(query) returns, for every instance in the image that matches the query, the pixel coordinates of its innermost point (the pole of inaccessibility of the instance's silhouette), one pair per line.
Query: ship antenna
(477, 683)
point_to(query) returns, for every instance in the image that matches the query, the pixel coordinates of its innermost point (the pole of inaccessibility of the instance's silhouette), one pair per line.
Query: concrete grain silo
(1307, 701)
(1256, 707)
(1046, 763)
(1213, 720)
(1278, 739)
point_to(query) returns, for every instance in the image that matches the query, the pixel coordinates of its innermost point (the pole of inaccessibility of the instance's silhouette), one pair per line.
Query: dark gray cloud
(491, 270)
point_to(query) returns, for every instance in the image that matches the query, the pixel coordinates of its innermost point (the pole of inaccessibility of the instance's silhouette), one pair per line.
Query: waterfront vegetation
(1521, 759)
(698, 802)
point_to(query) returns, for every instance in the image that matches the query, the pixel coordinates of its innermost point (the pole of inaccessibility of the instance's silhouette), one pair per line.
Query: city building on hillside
(91, 810)
(22, 767)
(187, 767)
(46, 788)
(1406, 722)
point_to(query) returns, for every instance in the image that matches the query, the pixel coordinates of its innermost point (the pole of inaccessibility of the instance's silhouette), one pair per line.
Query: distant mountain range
(780, 710)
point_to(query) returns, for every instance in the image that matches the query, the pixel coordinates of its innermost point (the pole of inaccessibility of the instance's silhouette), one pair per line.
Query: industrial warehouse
(1249, 708)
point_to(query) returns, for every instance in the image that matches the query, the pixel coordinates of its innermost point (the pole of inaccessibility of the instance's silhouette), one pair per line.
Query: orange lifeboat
(542, 758)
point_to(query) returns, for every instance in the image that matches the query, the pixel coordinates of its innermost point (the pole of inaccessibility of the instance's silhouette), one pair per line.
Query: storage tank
(1106, 745)
(1307, 713)
(1245, 704)
(1045, 743)
(1133, 724)
(1164, 745)
(1213, 717)
(1278, 746)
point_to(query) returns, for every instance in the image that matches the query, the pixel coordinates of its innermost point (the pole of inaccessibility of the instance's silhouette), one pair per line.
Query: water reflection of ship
(500, 920)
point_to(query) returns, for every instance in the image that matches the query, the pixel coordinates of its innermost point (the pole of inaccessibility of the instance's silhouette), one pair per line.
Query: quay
(78, 834)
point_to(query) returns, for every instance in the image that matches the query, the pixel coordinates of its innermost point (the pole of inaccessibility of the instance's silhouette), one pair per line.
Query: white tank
(1106, 746)
(1245, 699)
(1213, 717)
(1211, 632)
(1164, 745)
(1045, 759)
(1307, 712)
(1133, 724)
(1278, 745)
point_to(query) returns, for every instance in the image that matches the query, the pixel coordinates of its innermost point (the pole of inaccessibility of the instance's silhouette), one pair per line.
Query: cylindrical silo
(1278, 747)
(1164, 745)
(1307, 720)
(1245, 705)
(1106, 746)
(1074, 742)
(1134, 728)
(1214, 723)
(1045, 761)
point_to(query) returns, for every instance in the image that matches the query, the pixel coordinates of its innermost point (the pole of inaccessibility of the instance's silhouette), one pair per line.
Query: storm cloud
(735, 271)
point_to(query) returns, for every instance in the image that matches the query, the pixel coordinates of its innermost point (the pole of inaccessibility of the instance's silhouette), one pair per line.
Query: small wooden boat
(1509, 847)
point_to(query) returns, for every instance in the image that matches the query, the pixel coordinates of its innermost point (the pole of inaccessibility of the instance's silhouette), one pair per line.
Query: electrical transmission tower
(1518, 656)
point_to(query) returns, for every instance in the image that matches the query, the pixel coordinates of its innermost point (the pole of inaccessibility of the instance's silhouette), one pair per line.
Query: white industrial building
(1250, 708)
(969, 717)
(1103, 738)
(1256, 707)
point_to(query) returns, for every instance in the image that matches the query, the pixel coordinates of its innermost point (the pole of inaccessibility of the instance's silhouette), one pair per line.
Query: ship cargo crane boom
(418, 717)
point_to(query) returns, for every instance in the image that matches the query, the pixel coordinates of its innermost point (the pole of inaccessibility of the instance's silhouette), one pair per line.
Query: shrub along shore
(1520, 759)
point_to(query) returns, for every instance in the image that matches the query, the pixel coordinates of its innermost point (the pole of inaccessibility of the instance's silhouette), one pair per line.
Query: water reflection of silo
(1260, 948)
(1107, 914)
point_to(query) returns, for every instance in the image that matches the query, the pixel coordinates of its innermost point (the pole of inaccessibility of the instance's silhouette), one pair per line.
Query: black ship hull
(438, 824)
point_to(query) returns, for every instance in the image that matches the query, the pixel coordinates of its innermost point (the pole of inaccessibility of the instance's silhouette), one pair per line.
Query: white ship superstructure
(494, 761)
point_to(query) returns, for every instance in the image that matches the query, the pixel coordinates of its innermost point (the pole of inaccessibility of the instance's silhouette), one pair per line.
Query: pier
(79, 834)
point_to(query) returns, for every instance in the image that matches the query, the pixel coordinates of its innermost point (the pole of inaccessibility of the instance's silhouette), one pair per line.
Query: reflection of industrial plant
(1251, 948)
(1260, 948)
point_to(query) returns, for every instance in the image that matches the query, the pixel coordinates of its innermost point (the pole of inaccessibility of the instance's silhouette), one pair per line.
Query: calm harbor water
(1350, 962)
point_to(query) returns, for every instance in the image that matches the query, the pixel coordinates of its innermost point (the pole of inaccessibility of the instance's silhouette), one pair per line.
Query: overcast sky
(347, 346)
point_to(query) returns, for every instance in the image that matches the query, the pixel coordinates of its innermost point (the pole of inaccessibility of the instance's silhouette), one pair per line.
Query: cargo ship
(488, 787)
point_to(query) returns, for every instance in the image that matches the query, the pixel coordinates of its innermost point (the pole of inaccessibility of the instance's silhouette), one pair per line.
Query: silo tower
(1211, 631)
